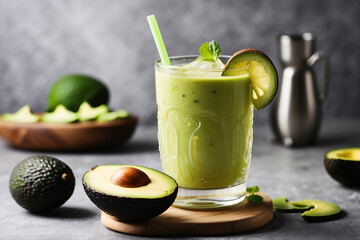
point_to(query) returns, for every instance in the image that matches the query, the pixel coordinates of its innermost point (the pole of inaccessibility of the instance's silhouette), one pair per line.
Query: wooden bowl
(68, 136)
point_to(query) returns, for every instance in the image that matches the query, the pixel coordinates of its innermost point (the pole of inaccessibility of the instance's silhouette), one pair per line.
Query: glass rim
(173, 67)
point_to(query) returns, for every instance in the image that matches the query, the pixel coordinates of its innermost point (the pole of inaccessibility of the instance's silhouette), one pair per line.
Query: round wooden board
(176, 221)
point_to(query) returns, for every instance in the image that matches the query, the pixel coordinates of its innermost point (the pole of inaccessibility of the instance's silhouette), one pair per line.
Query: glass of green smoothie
(205, 130)
(205, 119)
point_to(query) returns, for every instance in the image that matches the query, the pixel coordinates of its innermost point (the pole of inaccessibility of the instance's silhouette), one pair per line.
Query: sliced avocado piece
(281, 204)
(23, 115)
(87, 112)
(130, 193)
(60, 115)
(321, 210)
(343, 165)
(111, 116)
(41, 183)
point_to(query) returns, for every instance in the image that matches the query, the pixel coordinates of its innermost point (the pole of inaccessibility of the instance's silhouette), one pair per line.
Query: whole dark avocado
(130, 193)
(41, 183)
(343, 165)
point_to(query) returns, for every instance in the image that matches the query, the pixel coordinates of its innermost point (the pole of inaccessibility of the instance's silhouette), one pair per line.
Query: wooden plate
(68, 136)
(245, 216)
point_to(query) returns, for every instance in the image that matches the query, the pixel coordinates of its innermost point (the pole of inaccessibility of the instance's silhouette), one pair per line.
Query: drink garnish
(263, 74)
(257, 199)
(210, 51)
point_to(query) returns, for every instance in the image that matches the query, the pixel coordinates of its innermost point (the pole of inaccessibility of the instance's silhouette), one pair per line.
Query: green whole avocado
(41, 183)
(72, 90)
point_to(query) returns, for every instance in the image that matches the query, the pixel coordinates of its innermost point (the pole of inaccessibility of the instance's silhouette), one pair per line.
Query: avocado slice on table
(130, 193)
(41, 183)
(343, 165)
(320, 211)
(23, 115)
(281, 204)
(87, 112)
(60, 115)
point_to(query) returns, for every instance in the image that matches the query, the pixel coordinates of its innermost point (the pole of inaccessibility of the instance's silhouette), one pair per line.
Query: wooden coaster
(176, 221)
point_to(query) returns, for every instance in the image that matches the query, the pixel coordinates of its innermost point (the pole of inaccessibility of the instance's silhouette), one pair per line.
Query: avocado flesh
(23, 115)
(87, 112)
(343, 165)
(283, 205)
(111, 116)
(320, 211)
(60, 115)
(99, 179)
(41, 183)
(130, 204)
(350, 154)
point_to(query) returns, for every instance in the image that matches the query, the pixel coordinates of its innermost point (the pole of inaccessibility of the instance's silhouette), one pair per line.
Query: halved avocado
(23, 115)
(343, 165)
(320, 211)
(130, 193)
(86, 112)
(281, 204)
(60, 115)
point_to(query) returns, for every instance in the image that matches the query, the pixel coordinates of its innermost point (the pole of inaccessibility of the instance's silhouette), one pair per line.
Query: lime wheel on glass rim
(262, 72)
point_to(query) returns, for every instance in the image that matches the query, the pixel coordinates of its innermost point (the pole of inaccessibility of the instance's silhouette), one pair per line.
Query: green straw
(158, 40)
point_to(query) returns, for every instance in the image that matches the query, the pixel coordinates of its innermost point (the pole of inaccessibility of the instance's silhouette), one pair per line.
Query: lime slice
(263, 74)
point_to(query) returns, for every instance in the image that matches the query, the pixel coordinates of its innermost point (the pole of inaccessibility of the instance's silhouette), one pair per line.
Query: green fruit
(263, 74)
(283, 205)
(60, 115)
(87, 112)
(111, 116)
(41, 183)
(130, 193)
(73, 90)
(320, 211)
(343, 165)
(23, 115)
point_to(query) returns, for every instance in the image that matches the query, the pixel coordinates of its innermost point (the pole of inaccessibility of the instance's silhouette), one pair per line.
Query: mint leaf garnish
(210, 51)
(257, 199)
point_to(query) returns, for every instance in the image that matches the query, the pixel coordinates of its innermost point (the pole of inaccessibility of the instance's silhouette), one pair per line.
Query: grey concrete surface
(294, 173)
(43, 40)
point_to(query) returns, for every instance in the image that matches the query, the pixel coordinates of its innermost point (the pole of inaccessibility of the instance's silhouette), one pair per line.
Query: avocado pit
(130, 177)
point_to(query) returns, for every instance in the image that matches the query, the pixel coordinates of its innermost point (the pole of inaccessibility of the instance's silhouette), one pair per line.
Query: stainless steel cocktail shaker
(296, 115)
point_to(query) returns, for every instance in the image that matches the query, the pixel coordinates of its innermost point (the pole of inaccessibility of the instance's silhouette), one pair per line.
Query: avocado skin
(130, 209)
(343, 171)
(36, 183)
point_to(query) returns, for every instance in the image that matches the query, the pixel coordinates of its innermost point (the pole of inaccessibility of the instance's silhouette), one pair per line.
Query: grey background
(43, 40)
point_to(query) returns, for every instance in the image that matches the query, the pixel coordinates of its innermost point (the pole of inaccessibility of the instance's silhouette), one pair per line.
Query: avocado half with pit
(343, 165)
(130, 193)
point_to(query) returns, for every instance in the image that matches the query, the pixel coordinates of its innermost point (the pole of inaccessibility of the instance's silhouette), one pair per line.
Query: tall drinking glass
(205, 132)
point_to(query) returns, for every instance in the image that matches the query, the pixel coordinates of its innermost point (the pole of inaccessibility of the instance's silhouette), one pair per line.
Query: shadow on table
(274, 225)
(68, 213)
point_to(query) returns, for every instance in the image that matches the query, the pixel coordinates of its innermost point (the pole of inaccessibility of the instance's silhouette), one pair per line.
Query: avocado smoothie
(204, 124)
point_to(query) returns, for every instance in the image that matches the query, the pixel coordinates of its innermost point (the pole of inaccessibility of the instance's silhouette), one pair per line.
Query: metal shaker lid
(295, 48)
